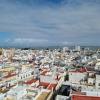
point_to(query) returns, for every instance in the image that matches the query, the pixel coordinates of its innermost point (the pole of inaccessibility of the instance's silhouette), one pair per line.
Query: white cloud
(69, 22)
(7, 40)
(27, 41)
(66, 43)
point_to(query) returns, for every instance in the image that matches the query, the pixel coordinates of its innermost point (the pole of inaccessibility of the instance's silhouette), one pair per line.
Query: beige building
(1, 51)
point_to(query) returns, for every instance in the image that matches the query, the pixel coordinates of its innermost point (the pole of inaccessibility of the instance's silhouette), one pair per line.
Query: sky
(49, 22)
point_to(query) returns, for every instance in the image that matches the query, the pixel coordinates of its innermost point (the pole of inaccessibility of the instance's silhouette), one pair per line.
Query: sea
(50, 47)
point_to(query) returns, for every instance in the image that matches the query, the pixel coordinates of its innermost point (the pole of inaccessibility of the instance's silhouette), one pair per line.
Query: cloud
(27, 41)
(66, 43)
(7, 40)
(72, 21)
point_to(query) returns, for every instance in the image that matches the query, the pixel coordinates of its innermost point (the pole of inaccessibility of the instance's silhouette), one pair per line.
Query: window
(98, 84)
(90, 82)
(71, 73)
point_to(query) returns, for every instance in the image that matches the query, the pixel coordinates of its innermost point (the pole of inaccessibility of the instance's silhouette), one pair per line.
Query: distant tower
(97, 51)
(77, 48)
(65, 49)
(1, 51)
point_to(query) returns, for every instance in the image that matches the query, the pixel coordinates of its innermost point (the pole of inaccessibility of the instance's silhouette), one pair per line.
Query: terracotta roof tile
(76, 97)
(44, 72)
(31, 81)
(51, 86)
(8, 76)
(43, 84)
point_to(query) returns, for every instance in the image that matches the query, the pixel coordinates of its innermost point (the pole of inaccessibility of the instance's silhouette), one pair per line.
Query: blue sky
(49, 22)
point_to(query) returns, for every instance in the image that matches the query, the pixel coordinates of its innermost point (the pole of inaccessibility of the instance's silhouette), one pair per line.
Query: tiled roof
(77, 97)
(79, 71)
(73, 60)
(8, 76)
(89, 72)
(44, 72)
(43, 84)
(76, 71)
(78, 92)
(57, 79)
(31, 81)
(51, 86)
(83, 69)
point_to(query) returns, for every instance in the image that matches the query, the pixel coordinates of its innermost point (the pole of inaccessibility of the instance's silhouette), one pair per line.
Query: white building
(76, 76)
(97, 82)
(65, 49)
(77, 48)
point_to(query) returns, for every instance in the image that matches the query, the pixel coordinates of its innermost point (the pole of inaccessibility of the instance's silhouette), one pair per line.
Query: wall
(89, 93)
(75, 77)
(97, 82)
(47, 79)
(91, 80)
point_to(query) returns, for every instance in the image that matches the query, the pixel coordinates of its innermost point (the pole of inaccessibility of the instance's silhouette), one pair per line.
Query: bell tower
(2, 51)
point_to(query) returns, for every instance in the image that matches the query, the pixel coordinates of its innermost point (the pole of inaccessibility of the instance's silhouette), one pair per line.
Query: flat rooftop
(43, 95)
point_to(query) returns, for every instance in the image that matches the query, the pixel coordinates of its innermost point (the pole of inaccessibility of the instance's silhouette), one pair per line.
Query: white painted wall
(89, 93)
(91, 80)
(47, 79)
(97, 82)
(75, 77)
